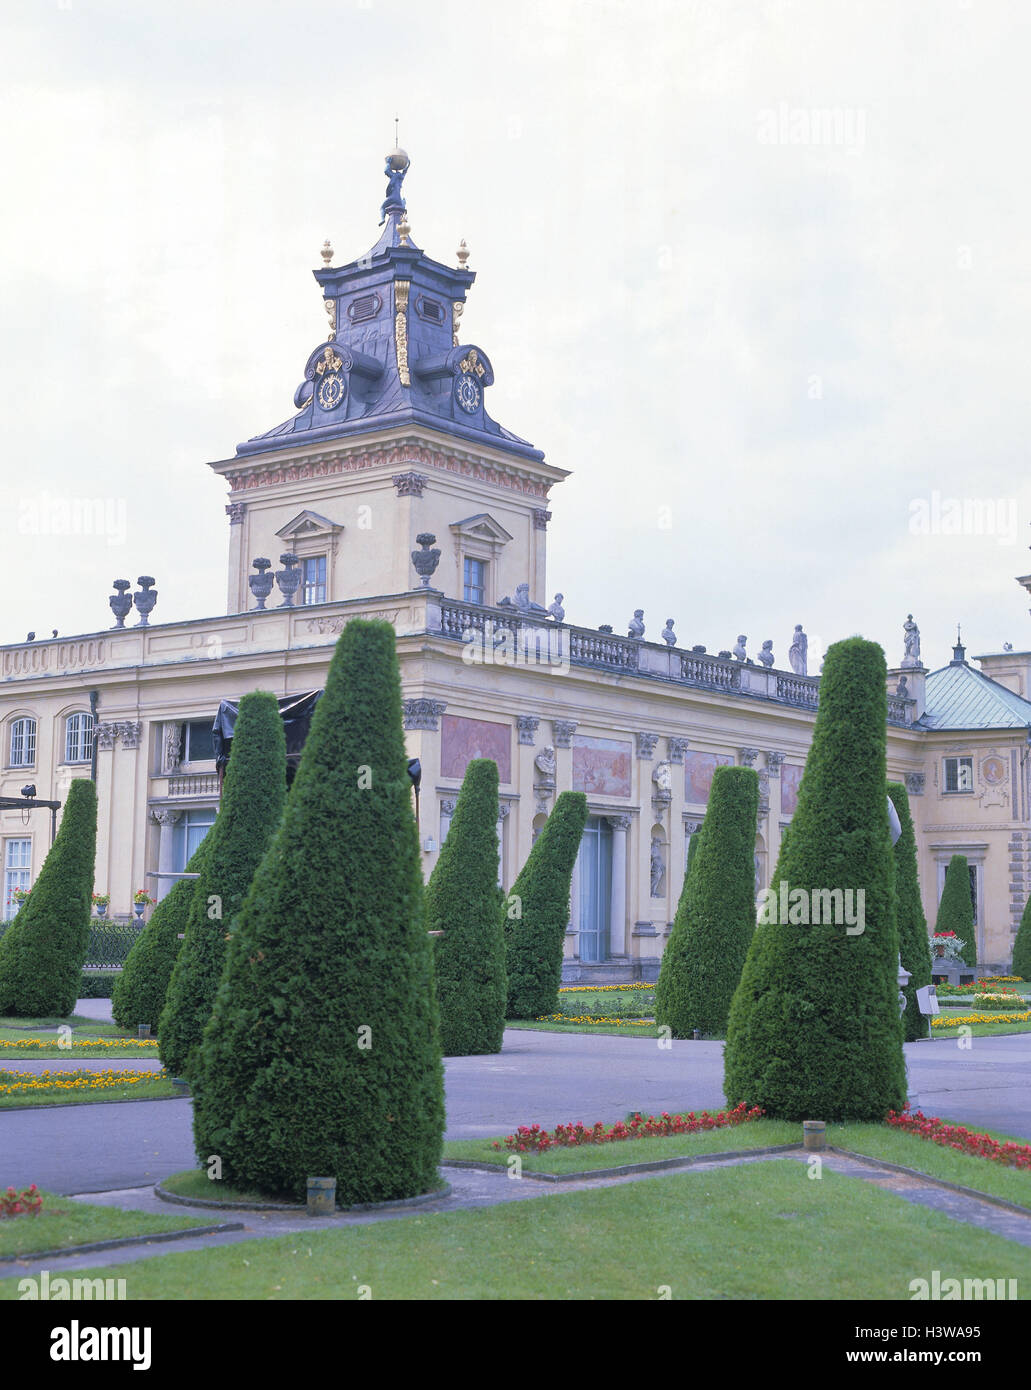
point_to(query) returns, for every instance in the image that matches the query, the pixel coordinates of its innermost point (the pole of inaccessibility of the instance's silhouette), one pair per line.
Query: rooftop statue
(798, 651)
(396, 168)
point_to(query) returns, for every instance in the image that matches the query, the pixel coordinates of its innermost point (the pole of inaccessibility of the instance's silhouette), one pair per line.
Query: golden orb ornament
(398, 161)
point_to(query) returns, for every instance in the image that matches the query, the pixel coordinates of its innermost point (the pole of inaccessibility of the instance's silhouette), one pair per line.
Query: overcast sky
(757, 273)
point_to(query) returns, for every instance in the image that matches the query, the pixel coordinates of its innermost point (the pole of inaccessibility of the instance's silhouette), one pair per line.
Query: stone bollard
(322, 1196)
(814, 1134)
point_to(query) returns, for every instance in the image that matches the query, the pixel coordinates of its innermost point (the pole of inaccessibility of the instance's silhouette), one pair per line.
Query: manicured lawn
(646, 1030)
(63, 1222)
(983, 1030)
(96, 1087)
(16, 1033)
(766, 1232)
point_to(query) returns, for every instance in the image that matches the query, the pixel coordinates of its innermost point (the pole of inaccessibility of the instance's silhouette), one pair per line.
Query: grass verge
(738, 1233)
(97, 1088)
(21, 1039)
(63, 1223)
(194, 1182)
(648, 1030)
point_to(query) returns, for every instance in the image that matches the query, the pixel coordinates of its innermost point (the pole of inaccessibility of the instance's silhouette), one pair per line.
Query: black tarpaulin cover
(296, 711)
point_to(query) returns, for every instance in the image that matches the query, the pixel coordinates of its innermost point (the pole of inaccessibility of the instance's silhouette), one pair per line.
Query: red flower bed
(533, 1139)
(27, 1203)
(958, 1137)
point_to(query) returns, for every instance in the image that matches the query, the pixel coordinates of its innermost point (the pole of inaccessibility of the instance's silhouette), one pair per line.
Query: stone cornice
(391, 454)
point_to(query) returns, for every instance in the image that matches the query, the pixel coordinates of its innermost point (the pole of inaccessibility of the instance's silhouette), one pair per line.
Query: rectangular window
(17, 859)
(313, 587)
(189, 830)
(474, 581)
(197, 744)
(23, 743)
(959, 774)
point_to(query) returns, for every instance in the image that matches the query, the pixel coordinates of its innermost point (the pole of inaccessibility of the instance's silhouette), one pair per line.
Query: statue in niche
(173, 747)
(658, 867)
(662, 776)
(798, 651)
(766, 652)
(902, 688)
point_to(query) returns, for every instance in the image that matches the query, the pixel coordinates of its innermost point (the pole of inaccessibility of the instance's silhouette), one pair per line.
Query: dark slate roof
(367, 391)
(958, 697)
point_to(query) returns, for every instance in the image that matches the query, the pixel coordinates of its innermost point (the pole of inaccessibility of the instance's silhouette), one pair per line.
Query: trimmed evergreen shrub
(715, 920)
(140, 990)
(1022, 945)
(253, 796)
(43, 950)
(536, 912)
(956, 909)
(322, 1055)
(463, 900)
(814, 1029)
(914, 946)
(97, 984)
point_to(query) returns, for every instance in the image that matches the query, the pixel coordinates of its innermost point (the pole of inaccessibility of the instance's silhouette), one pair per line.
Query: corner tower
(391, 438)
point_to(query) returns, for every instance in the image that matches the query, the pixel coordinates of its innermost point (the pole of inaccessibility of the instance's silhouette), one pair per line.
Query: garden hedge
(463, 901)
(140, 990)
(43, 950)
(1022, 945)
(251, 808)
(914, 946)
(322, 1055)
(814, 1029)
(715, 919)
(956, 909)
(536, 912)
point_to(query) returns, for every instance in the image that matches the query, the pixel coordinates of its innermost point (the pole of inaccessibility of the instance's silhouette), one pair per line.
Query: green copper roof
(958, 697)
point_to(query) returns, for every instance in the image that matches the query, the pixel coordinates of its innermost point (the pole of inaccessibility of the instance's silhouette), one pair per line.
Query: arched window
(23, 742)
(78, 738)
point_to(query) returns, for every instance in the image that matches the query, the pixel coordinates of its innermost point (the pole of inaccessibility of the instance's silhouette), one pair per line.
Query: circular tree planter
(299, 1207)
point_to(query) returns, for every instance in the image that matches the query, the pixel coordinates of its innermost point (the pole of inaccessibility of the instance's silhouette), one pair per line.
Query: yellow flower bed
(581, 1018)
(69, 1045)
(26, 1081)
(600, 989)
(1002, 1017)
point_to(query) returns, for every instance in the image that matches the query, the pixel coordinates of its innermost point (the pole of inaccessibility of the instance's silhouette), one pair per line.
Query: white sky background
(784, 344)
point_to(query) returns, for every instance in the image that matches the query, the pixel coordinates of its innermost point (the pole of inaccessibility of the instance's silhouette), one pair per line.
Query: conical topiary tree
(322, 1055)
(253, 796)
(814, 1030)
(536, 912)
(956, 909)
(914, 947)
(463, 901)
(1022, 945)
(715, 920)
(43, 950)
(139, 991)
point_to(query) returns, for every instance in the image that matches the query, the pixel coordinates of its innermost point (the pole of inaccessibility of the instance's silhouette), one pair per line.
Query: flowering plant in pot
(100, 902)
(947, 945)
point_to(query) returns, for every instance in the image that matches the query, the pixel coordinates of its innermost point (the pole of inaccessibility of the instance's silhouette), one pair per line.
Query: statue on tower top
(396, 168)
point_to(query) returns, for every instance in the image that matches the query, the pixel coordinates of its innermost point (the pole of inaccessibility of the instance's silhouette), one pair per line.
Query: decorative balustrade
(798, 690)
(193, 784)
(599, 649)
(708, 670)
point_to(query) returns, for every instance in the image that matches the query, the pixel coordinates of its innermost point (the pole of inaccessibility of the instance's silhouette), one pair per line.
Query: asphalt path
(538, 1077)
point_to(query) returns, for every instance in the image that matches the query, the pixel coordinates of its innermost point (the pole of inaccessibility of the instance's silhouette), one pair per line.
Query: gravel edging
(935, 1182)
(657, 1165)
(299, 1208)
(120, 1241)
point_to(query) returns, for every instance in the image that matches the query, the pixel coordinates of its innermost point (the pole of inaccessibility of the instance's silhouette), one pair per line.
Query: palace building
(391, 493)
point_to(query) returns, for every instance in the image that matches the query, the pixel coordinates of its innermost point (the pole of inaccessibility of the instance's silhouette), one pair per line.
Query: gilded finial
(462, 253)
(326, 253)
(403, 229)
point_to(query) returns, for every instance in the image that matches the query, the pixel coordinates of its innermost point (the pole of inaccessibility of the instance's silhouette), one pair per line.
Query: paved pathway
(544, 1078)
